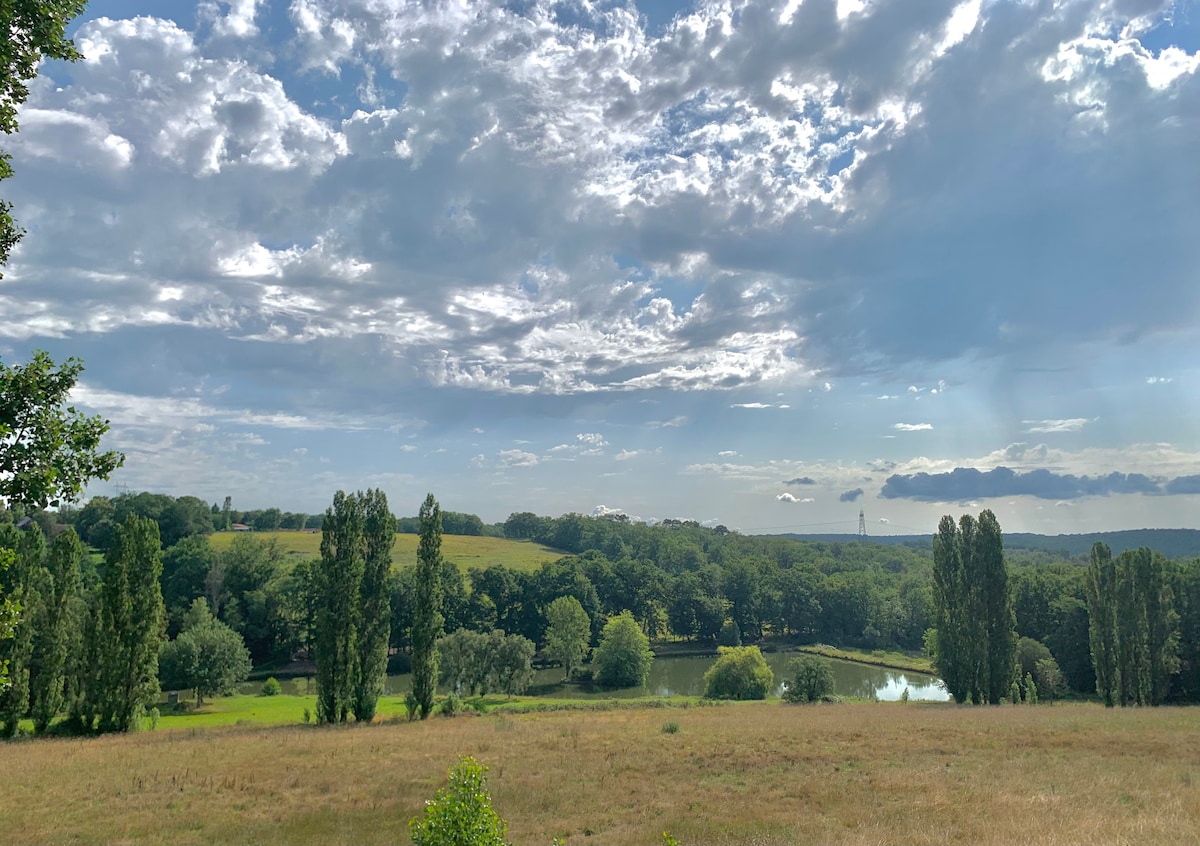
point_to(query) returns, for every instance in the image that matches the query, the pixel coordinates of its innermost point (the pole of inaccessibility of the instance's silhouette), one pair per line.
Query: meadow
(751, 773)
(463, 550)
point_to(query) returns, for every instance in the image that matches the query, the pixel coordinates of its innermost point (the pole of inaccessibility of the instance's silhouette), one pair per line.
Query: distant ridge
(1173, 543)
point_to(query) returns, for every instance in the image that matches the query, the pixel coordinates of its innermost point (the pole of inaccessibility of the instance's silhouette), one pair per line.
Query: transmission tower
(862, 524)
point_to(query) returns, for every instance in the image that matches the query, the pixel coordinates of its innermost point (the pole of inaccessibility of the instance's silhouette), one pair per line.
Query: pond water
(675, 675)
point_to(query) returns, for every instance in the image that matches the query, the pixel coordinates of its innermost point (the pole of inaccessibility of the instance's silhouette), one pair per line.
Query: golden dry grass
(463, 550)
(761, 773)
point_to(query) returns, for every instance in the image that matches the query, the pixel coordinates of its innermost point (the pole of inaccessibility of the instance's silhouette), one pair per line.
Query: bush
(452, 705)
(670, 727)
(412, 706)
(810, 679)
(730, 634)
(271, 687)
(740, 672)
(462, 813)
(623, 657)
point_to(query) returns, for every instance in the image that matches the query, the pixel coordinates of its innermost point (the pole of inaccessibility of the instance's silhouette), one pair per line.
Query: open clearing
(760, 773)
(466, 551)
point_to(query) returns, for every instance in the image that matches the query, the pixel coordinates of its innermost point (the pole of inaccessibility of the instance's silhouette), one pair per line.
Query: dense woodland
(677, 579)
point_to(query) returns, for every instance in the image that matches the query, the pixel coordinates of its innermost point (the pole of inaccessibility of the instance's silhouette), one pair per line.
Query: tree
(128, 629)
(29, 30)
(337, 582)
(56, 629)
(1102, 622)
(427, 617)
(461, 814)
(48, 450)
(374, 605)
(623, 657)
(974, 638)
(810, 679)
(568, 632)
(183, 518)
(512, 657)
(22, 583)
(740, 672)
(208, 657)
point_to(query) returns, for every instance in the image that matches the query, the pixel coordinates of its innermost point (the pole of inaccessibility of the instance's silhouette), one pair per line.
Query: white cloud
(1159, 380)
(516, 458)
(1073, 424)
(912, 427)
(592, 439)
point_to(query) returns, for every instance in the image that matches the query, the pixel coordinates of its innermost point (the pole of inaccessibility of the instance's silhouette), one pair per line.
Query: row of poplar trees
(91, 650)
(1133, 626)
(974, 640)
(352, 616)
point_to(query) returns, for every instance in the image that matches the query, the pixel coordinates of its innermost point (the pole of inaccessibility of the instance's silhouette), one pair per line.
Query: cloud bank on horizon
(680, 259)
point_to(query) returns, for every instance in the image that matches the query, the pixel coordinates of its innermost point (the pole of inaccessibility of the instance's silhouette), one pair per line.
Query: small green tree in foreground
(462, 813)
(623, 657)
(810, 679)
(740, 672)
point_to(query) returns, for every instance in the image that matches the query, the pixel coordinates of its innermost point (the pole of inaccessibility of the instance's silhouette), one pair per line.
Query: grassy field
(463, 550)
(760, 773)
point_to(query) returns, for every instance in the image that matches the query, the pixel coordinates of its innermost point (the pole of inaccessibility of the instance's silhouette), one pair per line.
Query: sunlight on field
(464, 551)
(760, 773)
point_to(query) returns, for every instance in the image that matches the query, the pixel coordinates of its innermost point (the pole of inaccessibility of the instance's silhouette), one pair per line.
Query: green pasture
(464, 551)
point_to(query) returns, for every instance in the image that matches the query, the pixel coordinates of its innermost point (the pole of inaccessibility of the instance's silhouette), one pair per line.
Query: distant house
(241, 527)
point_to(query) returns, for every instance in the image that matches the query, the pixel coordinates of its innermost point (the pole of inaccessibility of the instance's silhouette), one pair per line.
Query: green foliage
(730, 635)
(1031, 690)
(271, 687)
(810, 679)
(670, 727)
(740, 672)
(485, 663)
(567, 633)
(461, 814)
(29, 31)
(208, 657)
(1049, 679)
(623, 657)
(374, 605)
(128, 629)
(336, 582)
(452, 705)
(427, 618)
(48, 450)
(1029, 653)
(1134, 627)
(975, 641)
(56, 629)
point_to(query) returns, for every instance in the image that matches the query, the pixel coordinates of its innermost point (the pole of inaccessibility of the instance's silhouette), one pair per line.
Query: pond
(674, 675)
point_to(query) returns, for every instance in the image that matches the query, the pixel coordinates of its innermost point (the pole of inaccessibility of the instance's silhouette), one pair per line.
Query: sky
(763, 264)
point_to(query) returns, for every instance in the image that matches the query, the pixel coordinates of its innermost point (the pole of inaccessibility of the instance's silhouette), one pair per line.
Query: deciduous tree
(567, 633)
(427, 612)
(623, 657)
(208, 657)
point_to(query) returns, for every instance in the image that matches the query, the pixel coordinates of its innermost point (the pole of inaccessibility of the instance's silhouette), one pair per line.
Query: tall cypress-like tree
(337, 580)
(21, 582)
(1102, 622)
(427, 613)
(57, 629)
(131, 622)
(975, 640)
(374, 605)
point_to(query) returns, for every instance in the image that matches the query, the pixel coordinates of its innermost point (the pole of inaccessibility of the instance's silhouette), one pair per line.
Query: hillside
(1173, 543)
(465, 551)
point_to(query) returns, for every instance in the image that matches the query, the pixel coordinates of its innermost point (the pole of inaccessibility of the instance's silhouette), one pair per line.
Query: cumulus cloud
(912, 427)
(851, 496)
(1159, 380)
(516, 458)
(965, 483)
(787, 497)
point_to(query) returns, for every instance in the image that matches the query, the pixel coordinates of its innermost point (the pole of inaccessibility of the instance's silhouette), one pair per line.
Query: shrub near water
(810, 679)
(741, 672)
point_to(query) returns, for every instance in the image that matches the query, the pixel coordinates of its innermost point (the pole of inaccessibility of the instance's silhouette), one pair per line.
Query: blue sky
(757, 263)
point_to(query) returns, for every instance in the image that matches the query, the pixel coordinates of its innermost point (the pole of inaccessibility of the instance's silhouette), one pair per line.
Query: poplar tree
(427, 613)
(1102, 622)
(374, 605)
(337, 579)
(130, 625)
(975, 639)
(20, 582)
(57, 625)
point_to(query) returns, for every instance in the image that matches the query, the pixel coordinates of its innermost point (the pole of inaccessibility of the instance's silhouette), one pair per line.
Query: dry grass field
(761, 773)
(463, 550)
